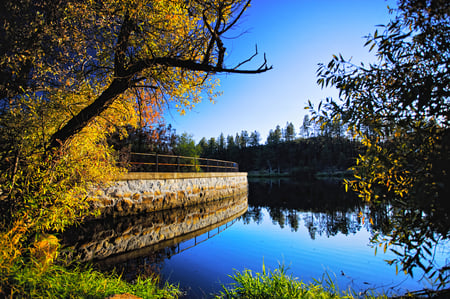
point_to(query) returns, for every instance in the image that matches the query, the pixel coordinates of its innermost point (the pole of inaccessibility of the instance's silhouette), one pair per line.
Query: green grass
(278, 284)
(79, 282)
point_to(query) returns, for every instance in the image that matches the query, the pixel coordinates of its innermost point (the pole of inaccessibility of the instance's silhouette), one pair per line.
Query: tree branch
(81, 120)
(191, 65)
(122, 46)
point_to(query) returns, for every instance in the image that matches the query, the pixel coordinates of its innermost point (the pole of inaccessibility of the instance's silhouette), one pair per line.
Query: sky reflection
(347, 258)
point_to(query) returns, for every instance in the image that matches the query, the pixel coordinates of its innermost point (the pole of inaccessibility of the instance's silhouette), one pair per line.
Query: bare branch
(251, 57)
(246, 5)
(189, 65)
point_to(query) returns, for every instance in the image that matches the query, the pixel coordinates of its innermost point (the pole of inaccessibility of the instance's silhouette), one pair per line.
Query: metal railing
(148, 162)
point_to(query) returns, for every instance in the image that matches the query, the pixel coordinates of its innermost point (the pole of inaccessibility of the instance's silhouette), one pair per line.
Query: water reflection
(114, 240)
(322, 206)
(311, 226)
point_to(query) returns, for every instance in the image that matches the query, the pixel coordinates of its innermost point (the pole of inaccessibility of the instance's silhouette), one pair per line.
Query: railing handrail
(177, 156)
(233, 166)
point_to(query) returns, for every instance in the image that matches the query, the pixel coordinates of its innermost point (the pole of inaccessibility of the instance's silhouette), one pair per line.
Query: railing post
(157, 170)
(178, 163)
(207, 165)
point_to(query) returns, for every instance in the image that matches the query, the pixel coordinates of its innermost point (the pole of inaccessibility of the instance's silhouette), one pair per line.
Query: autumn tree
(74, 72)
(399, 108)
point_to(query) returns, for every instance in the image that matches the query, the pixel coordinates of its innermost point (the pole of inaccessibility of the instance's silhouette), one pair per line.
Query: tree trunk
(78, 122)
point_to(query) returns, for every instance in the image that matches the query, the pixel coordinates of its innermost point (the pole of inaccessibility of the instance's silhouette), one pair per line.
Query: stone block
(181, 196)
(104, 202)
(121, 239)
(170, 197)
(124, 205)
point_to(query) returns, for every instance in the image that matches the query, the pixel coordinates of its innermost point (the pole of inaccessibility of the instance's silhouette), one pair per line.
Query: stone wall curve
(140, 192)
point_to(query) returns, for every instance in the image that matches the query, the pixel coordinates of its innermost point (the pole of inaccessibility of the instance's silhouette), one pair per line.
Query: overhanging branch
(193, 66)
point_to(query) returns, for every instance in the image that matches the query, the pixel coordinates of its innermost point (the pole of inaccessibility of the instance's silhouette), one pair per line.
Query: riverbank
(57, 281)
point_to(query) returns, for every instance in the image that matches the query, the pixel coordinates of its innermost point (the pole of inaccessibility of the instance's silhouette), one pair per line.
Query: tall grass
(79, 282)
(278, 284)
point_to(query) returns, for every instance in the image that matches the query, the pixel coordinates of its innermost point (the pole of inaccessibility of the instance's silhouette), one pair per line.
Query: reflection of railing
(203, 237)
(171, 163)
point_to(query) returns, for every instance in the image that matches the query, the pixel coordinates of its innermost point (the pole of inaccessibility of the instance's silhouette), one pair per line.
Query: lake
(313, 227)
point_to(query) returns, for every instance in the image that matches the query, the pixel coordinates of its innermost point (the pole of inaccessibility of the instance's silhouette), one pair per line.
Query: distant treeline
(284, 152)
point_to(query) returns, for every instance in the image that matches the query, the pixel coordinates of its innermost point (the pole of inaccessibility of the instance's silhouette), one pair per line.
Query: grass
(278, 284)
(79, 282)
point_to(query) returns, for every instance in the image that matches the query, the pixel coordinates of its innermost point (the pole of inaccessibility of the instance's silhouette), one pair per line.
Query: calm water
(311, 227)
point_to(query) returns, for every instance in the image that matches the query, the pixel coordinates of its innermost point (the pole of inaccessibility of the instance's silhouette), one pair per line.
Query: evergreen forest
(286, 153)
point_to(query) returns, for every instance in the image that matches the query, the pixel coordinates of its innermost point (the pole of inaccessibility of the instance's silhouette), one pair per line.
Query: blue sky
(296, 35)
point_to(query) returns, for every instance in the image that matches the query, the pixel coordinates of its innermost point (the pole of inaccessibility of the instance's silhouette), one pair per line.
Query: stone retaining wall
(137, 193)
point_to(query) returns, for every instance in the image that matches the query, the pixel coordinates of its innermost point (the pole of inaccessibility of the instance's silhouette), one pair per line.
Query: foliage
(75, 73)
(80, 282)
(399, 109)
(278, 284)
(275, 136)
(150, 52)
(289, 132)
(185, 146)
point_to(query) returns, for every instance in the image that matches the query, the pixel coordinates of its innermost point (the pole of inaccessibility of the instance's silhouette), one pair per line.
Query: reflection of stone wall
(101, 238)
(139, 193)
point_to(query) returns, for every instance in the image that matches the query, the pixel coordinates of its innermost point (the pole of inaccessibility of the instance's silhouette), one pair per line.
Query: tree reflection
(326, 208)
(293, 220)
(253, 214)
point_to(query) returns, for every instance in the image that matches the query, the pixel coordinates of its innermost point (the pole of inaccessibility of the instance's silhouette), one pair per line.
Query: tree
(212, 148)
(203, 144)
(255, 137)
(306, 125)
(221, 145)
(399, 107)
(230, 142)
(237, 140)
(185, 146)
(73, 73)
(274, 136)
(289, 132)
(122, 47)
(244, 139)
